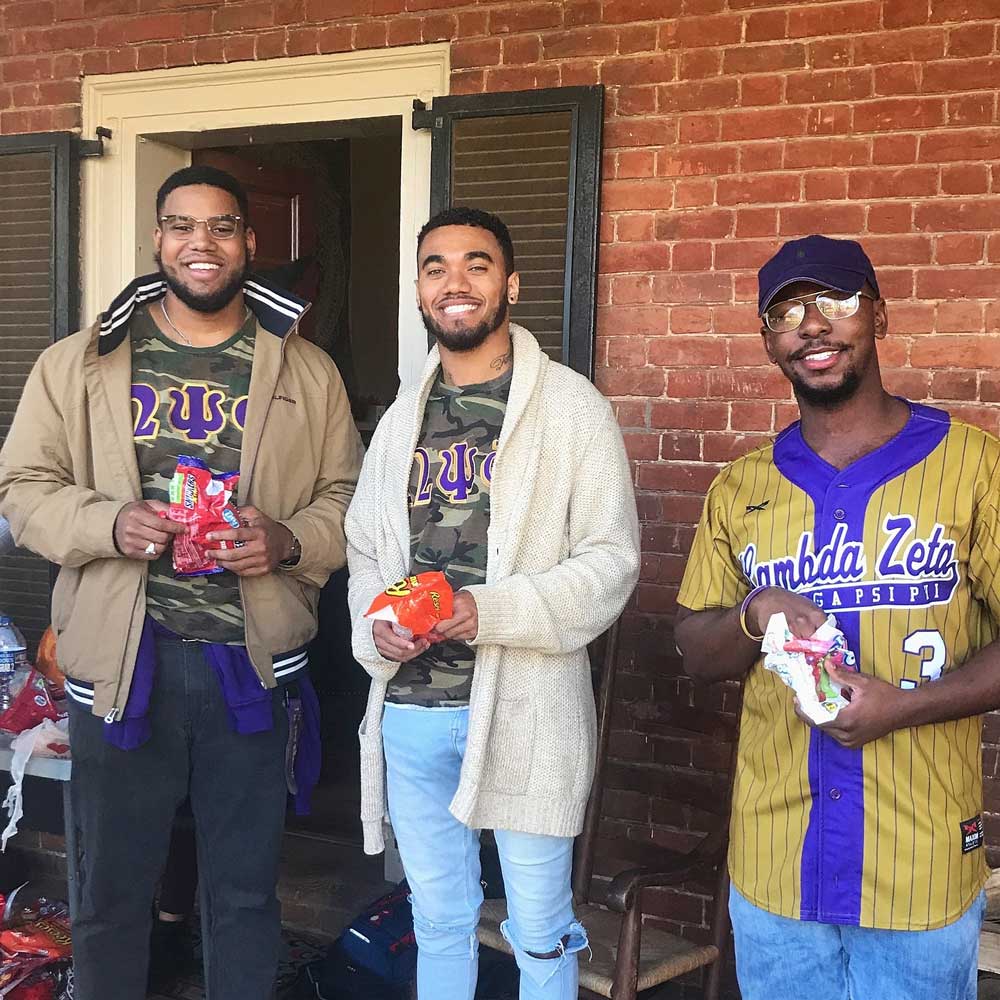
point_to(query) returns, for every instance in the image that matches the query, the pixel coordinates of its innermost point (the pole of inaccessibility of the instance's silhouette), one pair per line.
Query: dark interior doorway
(326, 215)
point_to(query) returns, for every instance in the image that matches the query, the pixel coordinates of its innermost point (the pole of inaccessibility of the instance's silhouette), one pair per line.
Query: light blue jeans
(424, 748)
(777, 958)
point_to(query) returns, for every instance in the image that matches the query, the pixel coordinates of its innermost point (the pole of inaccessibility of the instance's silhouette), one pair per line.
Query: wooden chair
(629, 957)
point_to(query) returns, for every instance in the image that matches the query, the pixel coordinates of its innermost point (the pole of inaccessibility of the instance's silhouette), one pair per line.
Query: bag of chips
(415, 604)
(203, 501)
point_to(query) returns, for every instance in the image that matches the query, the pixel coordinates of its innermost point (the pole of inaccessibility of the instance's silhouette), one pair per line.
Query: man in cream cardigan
(507, 472)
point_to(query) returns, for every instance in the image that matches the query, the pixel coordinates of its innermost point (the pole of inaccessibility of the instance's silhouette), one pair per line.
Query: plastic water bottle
(13, 654)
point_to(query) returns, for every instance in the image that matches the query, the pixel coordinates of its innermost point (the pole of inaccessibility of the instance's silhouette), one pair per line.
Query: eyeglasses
(788, 315)
(182, 227)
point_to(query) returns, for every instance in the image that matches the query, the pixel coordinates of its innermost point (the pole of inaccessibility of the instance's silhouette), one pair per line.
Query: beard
(205, 302)
(470, 338)
(827, 397)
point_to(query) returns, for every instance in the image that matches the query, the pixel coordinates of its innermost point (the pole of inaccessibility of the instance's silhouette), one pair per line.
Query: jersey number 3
(929, 646)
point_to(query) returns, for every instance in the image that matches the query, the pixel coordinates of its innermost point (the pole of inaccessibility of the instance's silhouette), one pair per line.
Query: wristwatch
(294, 556)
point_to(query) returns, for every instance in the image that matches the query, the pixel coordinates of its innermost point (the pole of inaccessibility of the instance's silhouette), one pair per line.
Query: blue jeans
(424, 748)
(777, 957)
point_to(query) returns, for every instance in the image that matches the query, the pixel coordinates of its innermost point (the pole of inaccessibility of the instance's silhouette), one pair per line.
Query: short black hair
(203, 174)
(462, 215)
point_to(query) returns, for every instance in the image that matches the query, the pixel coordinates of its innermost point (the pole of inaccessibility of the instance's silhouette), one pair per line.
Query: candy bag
(201, 500)
(38, 986)
(35, 948)
(802, 663)
(31, 706)
(46, 937)
(47, 664)
(15, 970)
(415, 604)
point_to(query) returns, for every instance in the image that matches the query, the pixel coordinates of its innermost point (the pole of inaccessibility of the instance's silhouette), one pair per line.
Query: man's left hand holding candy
(463, 625)
(266, 543)
(876, 708)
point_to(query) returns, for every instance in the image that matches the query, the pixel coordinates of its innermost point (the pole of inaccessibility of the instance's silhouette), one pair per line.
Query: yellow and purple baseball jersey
(903, 546)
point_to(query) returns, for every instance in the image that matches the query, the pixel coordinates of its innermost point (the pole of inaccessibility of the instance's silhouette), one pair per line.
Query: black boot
(171, 953)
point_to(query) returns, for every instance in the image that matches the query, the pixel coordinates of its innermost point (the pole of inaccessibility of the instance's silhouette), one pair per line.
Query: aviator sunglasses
(788, 315)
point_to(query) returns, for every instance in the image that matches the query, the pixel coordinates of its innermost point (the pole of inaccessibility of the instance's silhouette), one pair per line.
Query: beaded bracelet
(743, 613)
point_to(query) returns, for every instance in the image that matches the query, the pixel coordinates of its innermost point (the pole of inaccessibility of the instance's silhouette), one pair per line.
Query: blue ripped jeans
(778, 957)
(424, 748)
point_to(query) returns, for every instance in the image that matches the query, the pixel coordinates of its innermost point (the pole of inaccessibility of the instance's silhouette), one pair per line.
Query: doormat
(297, 951)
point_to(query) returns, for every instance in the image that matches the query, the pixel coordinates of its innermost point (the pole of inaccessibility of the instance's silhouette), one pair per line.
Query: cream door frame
(118, 189)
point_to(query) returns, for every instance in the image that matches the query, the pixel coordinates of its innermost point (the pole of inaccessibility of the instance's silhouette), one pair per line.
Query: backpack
(337, 977)
(381, 939)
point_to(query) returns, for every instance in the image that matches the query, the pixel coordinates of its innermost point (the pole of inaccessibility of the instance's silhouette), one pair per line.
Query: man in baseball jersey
(856, 854)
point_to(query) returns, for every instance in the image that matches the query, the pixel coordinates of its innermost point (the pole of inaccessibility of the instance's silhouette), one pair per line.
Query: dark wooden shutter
(38, 251)
(518, 167)
(534, 159)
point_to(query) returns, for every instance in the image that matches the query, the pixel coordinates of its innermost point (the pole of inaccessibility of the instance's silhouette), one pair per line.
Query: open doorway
(326, 215)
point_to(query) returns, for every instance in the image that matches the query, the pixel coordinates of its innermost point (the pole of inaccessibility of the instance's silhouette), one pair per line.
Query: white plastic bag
(48, 739)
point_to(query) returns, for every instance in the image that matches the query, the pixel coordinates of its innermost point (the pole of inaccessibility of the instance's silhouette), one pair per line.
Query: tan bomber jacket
(69, 465)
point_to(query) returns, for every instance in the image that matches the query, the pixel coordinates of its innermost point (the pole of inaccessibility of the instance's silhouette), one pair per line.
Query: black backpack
(337, 977)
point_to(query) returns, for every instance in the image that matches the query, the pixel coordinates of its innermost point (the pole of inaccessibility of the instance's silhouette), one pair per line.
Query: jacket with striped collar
(69, 466)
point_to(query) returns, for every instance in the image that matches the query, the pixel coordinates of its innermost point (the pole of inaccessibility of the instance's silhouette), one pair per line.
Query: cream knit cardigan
(563, 557)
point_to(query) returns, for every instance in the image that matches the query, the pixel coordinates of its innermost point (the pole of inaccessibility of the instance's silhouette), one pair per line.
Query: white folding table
(54, 769)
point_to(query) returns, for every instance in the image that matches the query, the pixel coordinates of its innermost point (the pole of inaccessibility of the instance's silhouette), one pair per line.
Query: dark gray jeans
(125, 801)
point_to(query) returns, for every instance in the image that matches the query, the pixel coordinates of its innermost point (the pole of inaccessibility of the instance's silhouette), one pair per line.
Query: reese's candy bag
(203, 501)
(415, 604)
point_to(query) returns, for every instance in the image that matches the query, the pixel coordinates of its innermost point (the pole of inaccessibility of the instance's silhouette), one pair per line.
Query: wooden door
(283, 215)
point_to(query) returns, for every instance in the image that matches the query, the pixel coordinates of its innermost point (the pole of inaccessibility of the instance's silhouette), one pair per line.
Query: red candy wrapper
(31, 706)
(34, 949)
(38, 986)
(415, 604)
(46, 937)
(15, 970)
(201, 500)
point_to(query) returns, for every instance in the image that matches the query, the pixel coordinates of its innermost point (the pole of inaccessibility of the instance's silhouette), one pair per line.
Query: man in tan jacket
(181, 686)
(506, 471)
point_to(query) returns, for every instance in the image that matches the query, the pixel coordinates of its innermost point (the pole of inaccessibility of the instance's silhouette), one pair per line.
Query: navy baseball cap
(839, 264)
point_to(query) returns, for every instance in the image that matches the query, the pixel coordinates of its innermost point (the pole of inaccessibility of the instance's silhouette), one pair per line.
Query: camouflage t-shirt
(449, 514)
(189, 401)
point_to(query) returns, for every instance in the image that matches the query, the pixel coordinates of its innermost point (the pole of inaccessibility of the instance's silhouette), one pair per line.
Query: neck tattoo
(500, 363)
(184, 338)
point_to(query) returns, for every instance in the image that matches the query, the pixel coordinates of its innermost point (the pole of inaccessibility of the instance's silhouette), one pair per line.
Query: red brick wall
(732, 125)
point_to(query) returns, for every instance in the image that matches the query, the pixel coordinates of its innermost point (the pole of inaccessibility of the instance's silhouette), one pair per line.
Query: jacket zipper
(117, 710)
(253, 464)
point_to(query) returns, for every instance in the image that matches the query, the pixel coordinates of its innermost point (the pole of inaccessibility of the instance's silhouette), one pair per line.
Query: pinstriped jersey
(903, 546)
